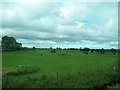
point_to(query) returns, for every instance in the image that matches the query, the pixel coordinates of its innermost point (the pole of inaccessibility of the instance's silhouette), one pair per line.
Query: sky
(65, 24)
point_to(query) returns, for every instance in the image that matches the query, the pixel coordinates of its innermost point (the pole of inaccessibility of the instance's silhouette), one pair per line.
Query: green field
(65, 68)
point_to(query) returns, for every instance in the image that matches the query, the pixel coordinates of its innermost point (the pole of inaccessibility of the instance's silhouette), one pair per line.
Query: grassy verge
(70, 80)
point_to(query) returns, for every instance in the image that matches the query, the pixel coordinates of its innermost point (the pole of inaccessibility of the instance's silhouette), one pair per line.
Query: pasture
(65, 68)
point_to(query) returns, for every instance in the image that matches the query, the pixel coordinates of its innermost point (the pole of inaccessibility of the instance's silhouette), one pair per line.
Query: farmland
(65, 68)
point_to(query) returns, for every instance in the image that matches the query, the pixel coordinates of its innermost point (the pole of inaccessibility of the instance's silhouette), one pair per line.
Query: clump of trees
(113, 50)
(92, 50)
(86, 50)
(10, 43)
(52, 50)
(102, 51)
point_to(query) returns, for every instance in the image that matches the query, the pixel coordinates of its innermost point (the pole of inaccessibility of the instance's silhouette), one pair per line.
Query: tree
(92, 50)
(102, 50)
(9, 43)
(86, 50)
(34, 49)
(18, 46)
(113, 50)
(53, 51)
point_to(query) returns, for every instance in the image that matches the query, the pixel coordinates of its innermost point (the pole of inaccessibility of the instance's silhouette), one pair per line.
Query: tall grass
(72, 80)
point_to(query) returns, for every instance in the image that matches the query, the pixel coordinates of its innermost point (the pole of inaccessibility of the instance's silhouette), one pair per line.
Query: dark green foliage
(92, 50)
(113, 50)
(102, 51)
(34, 49)
(53, 51)
(86, 50)
(9, 43)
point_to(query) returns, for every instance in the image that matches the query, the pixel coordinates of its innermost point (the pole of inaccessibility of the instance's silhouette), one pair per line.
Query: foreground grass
(0, 70)
(59, 69)
(74, 80)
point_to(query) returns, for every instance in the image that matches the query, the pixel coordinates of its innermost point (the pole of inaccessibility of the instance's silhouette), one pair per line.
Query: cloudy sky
(61, 23)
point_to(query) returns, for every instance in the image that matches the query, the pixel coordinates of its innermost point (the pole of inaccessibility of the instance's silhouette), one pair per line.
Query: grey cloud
(61, 22)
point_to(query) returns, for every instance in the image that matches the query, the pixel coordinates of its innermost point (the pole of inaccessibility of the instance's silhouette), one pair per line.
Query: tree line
(10, 43)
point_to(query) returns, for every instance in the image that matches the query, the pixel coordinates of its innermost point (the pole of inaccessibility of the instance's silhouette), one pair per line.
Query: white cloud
(54, 23)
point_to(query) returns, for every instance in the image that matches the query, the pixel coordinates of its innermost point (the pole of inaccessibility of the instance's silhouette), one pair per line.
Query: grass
(0, 70)
(65, 68)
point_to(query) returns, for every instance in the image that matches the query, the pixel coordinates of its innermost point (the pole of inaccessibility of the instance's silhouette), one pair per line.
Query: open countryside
(53, 68)
(48, 44)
